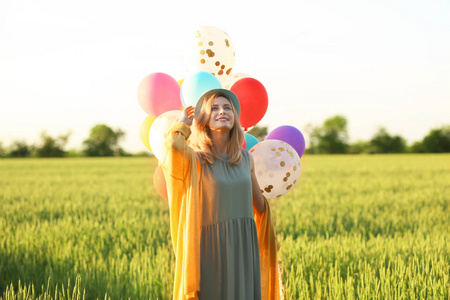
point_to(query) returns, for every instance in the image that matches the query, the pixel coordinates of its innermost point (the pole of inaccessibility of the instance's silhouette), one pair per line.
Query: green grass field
(355, 227)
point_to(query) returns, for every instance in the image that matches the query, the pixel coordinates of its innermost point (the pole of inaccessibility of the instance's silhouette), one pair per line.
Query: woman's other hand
(187, 115)
(258, 199)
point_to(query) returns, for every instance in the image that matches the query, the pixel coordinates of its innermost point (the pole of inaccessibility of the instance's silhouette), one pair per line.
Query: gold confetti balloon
(277, 167)
(210, 50)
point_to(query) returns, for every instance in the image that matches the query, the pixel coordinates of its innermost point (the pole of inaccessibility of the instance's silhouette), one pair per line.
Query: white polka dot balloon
(277, 167)
(159, 130)
(210, 50)
(232, 79)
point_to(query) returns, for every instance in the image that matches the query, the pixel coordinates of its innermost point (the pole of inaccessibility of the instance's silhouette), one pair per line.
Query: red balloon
(159, 181)
(253, 100)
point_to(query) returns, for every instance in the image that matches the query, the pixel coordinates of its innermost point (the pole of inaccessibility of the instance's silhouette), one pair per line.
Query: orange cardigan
(181, 169)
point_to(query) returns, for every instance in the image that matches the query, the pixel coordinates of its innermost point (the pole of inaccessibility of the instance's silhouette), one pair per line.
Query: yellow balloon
(145, 129)
(180, 83)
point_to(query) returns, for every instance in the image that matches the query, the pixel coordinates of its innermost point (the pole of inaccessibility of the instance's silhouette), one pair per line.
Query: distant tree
(103, 141)
(52, 147)
(437, 140)
(359, 147)
(383, 142)
(313, 132)
(417, 147)
(259, 132)
(143, 154)
(20, 149)
(122, 152)
(74, 153)
(331, 137)
(2, 150)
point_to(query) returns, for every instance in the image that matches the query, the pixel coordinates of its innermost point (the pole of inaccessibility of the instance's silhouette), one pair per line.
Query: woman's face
(222, 116)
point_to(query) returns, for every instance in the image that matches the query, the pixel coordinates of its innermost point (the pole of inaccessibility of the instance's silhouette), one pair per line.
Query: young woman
(213, 196)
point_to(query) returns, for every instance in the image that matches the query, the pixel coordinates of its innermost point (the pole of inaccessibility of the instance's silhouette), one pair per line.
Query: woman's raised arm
(178, 153)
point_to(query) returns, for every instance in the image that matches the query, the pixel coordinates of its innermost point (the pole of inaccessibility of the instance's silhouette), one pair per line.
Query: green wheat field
(354, 227)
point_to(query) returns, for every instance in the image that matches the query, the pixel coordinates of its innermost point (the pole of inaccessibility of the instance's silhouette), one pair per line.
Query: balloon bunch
(210, 60)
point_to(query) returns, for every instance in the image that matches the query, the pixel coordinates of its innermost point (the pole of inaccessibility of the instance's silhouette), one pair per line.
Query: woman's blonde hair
(201, 140)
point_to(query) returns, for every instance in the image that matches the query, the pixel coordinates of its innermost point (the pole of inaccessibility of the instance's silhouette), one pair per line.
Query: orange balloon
(159, 181)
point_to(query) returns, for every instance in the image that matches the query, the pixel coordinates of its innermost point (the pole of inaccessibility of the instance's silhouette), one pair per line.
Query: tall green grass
(355, 227)
(367, 227)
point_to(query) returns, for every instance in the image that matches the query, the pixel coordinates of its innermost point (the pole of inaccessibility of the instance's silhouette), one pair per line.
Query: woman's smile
(222, 119)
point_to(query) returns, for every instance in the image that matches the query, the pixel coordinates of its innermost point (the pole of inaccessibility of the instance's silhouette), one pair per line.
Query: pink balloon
(158, 93)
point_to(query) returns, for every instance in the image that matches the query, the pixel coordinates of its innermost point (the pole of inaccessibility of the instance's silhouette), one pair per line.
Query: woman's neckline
(224, 156)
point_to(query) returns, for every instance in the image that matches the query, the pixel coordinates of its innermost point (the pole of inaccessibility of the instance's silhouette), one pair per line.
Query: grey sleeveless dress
(229, 243)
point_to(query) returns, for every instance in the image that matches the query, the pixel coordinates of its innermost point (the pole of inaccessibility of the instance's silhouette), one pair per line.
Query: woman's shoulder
(245, 157)
(245, 153)
(198, 156)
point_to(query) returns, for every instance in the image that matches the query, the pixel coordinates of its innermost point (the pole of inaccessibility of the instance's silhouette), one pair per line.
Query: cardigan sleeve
(178, 153)
(181, 172)
(271, 286)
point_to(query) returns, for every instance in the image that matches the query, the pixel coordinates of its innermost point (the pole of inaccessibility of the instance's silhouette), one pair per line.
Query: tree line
(329, 138)
(332, 138)
(102, 141)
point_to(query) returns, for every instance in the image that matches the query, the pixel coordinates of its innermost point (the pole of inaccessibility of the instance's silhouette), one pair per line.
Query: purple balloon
(290, 135)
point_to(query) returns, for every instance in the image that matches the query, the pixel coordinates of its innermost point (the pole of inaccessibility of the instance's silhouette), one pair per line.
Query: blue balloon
(250, 141)
(196, 85)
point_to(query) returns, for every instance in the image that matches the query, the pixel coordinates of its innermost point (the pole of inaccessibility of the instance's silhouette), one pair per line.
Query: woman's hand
(258, 199)
(187, 115)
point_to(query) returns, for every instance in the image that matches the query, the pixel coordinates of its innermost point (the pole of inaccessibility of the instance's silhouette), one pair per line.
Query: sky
(66, 66)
